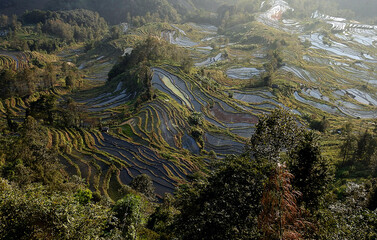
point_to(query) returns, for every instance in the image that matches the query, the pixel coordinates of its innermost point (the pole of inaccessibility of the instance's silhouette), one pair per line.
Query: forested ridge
(122, 10)
(162, 119)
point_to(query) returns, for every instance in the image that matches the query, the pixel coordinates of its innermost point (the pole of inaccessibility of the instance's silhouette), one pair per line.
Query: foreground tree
(27, 159)
(312, 172)
(275, 134)
(366, 147)
(226, 206)
(129, 214)
(281, 216)
(34, 213)
(144, 184)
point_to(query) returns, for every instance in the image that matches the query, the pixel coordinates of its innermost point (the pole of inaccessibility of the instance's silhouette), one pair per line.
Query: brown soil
(229, 117)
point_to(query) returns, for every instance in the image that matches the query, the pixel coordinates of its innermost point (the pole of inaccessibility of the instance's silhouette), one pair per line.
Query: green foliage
(274, 134)
(32, 73)
(349, 144)
(267, 78)
(366, 147)
(196, 118)
(54, 30)
(372, 198)
(69, 114)
(34, 213)
(225, 206)
(312, 172)
(143, 184)
(79, 25)
(197, 133)
(83, 196)
(21, 83)
(43, 108)
(124, 10)
(348, 218)
(130, 215)
(275, 61)
(239, 13)
(187, 64)
(163, 217)
(27, 159)
(321, 125)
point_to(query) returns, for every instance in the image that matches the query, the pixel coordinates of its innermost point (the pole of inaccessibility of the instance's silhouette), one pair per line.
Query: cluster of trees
(315, 124)
(79, 25)
(239, 13)
(66, 27)
(38, 200)
(134, 69)
(11, 23)
(47, 111)
(361, 148)
(115, 12)
(66, 113)
(196, 122)
(275, 62)
(278, 189)
(25, 82)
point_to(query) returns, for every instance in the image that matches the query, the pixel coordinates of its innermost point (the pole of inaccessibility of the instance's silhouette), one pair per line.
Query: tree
(27, 159)
(372, 199)
(69, 81)
(312, 172)
(366, 147)
(83, 196)
(34, 213)
(69, 114)
(4, 20)
(187, 64)
(226, 205)
(278, 135)
(116, 32)
(321, 126)
(143, 184)
(26, 82)
(350, 217)
(162, 218)
(349, 144)
(129, 212)
(43, 108)
(195, 119)
(267, 78)
(7, 83)
(50, 76)
(14, 23)
(281, 216)
(275, 134)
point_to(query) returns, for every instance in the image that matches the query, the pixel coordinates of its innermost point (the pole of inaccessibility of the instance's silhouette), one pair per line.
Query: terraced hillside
(327, 69)
(336, 66)
(21, 60)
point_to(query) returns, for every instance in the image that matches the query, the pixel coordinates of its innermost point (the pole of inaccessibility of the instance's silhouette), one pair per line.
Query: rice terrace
(167, 119)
